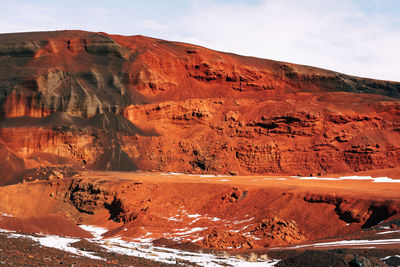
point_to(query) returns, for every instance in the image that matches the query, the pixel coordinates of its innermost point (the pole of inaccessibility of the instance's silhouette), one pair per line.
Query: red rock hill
(107, 102)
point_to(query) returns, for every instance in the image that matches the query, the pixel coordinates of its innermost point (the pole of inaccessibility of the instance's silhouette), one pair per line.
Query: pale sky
(358, 37)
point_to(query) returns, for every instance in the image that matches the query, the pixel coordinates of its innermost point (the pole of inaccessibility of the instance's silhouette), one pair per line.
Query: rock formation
(108, 102)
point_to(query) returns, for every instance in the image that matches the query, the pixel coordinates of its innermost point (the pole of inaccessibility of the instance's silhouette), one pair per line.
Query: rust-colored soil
(48, 225)
(213, 212)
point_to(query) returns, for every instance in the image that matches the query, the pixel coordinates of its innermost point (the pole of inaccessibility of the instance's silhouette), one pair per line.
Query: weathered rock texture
(213, 214)
(109, 102)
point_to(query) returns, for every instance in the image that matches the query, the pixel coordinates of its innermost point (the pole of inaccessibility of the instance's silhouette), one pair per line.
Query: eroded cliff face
(295, 135)
(99, 101)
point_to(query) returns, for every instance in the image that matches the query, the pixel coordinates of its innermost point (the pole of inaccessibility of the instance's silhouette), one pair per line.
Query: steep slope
(106, 102)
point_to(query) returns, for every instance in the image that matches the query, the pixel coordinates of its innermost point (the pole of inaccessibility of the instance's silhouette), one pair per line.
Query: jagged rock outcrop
(272, 232)
(277, 231)
(112, 102)
(350, 211)
(225, 239)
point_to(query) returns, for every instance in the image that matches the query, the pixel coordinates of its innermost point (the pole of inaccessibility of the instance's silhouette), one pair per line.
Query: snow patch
(197, 175)
(168, 255)
(385, 180)
(388, 232)
(346, 243)
(388, 257)
(143, 249)
(243, 221)
(190, 231)
(97, 232)
(58, 242)
(5, 214)
(356, 178)
(359, 178)
(194, 215)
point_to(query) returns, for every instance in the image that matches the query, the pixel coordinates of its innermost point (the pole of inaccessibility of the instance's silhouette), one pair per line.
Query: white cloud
(152, 25)
(331, 34)
(15, 18)
(20, 16)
